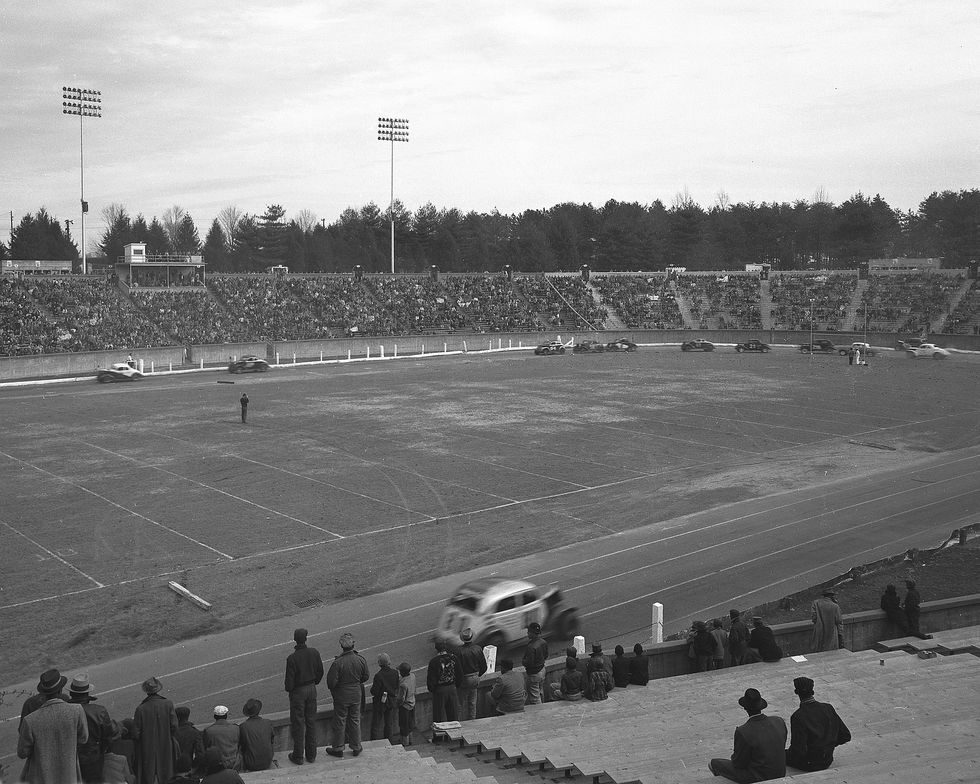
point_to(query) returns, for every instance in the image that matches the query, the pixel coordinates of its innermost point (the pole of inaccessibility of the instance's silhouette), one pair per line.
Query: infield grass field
(352, 479)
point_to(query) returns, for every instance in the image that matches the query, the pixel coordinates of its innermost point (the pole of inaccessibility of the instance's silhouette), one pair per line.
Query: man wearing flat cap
(760, 745)
(304, 670)
(816, 731)
(828, 625)
(346, 678)
(534, 659)
(473, 663)
(91, 754)
(226, 737)
(154, 725)
(257, 737)
(49, 736)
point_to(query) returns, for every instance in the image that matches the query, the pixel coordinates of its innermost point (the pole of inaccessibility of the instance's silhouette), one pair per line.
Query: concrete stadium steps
(965, 640)
(903, 711)
(380, 762)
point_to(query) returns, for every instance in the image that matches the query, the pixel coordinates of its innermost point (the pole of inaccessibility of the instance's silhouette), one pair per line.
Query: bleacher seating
(965, 318)
(908, 301)
(728, 301)
(642, 302)
(791, 295)
(190, 315)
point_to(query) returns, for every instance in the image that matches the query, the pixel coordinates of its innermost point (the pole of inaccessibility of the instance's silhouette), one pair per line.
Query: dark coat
(100, 732)
(346, 676)
(191, 742)
(764, 641)
(816, 731)
(621, 671)
(49, 739)
(257, 737)
(385, 681)
(226, 737)
(155, 723)
(303, 667)
(640, 670)
(760, 746)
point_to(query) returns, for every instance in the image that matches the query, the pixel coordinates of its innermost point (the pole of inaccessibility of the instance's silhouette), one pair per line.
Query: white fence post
(151, 365)
(658, 622)
(171, 367)
(423, 348)
(321, 356)
(277, 357)
(382, 352)
(579, 644)
(202, 363)
(348, 355)
(395, 352)
(294, 357)
(445, 348)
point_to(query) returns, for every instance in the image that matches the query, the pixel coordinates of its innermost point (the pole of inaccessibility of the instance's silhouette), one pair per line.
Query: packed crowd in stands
(642, 303)
(965, 318)
(42, 315)
(831, 295)
(908, 302)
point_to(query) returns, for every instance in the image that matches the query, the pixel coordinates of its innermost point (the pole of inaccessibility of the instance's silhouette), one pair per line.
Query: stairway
(684, 307)
(853, 319)
(765, 304)
(613, 321)
(939, 322)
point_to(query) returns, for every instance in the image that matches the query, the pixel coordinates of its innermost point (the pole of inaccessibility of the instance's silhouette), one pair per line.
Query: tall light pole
(392, 129)
(811, 327)
(84, 103)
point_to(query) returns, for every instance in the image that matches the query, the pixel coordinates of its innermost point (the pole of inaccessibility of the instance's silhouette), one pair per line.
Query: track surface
(137, 482)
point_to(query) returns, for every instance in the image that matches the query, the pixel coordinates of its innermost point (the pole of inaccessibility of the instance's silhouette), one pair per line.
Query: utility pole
(84, 103)
(392, 129)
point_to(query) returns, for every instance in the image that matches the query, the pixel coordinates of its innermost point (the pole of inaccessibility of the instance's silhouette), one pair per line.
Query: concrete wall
(861, 631)
(82, 363)
(222, 353)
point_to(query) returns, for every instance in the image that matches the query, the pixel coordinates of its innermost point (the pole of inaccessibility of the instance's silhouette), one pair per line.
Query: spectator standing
(508, 694)
(154, 725)
(124, 746)
(304, 670)
(892, 606)
(405, 700)
(620, 668)
(763, 642)
(189, 738)
(50, 735)
(243, 400)
(473, 664)
(441, 679)
(720, 637)
(36, 700)
(100, 730)
(738, 638)
(215, 771)
(535, 656)
(257, 737)
(828, 625)
(383, 690)
(226, 737)
(701, 646)
(346, 678)
(639, 667)
(912, 603)
(760, 745)
(816, 731)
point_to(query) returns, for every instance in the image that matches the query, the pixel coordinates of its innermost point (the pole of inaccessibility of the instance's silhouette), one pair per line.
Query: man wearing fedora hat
(100, 729)
(760, 745)
(828, 625)
(38, 699)
(154, 727)
(816, 731)
(257, 737)
(473, 663)
(49, 736)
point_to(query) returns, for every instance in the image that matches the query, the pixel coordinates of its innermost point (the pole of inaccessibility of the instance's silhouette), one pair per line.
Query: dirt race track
(350, 480)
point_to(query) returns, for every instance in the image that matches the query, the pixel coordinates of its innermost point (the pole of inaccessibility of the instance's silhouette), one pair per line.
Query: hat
(733, 614)
(152, 685)
(757, 620)
(51, 682)
(700, 626)
(253, 707)
(300, 635)
(534, 627)
(803, 686)
(347, 641)
(80, 688)
(466, 635)
(752, 700)
(596, 648)
(829, 592)
(220, 710)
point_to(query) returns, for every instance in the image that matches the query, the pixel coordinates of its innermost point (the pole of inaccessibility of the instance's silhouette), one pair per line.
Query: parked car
(253, 364)
(866, 349)
(821, 346)
(589, 347)
(927, 350)
(697, 345)
(752, 345)
(551, 347)
(118, 371)
(622, 344)
(499, 610)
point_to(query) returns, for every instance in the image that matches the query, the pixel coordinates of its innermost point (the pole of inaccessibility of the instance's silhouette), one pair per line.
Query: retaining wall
(84, 363)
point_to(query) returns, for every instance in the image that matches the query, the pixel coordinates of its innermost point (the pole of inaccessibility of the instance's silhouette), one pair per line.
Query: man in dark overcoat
(816, 731)
(154, 727)
(304, 670)
(100, 730)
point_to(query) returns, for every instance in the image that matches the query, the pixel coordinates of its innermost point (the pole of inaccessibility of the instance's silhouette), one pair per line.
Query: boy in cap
(256, 737)
(383, 689)
(816, 731)
(760, 745)
(226, 737)
(405, 700)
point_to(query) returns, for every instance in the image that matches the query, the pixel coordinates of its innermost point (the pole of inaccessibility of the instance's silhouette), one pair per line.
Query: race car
(255, 364)
(551, 347)
(752, 345)
(589, 347)
(927, 350)
(865, 349)
(499, 609)
(622, 344)
(821, 346)
(118, 371)
(697, 345)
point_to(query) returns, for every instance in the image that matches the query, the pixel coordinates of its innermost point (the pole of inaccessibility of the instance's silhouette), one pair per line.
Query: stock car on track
(551, 347)
(752, 345)
(697, 345)
(865, 349)
(499, 609)
(927, 350)
(589, 347)
(254, 364)
(118, 371)
(821, 346)
(621, 345)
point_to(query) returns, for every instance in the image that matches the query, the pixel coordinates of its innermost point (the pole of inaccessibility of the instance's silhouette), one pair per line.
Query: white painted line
(52, 554)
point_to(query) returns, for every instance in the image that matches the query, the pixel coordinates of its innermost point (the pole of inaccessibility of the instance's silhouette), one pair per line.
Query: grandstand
(68, 313)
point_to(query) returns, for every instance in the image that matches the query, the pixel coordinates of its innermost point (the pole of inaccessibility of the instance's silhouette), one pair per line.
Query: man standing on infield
(304, 670)
(244, 401)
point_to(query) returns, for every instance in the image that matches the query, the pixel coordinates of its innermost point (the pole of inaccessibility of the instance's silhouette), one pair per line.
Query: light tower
(392, 129)
(84, 103)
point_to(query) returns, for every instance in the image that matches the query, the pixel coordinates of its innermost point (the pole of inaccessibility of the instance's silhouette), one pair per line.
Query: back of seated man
(760, 745)
(508, 694)
(816, 731)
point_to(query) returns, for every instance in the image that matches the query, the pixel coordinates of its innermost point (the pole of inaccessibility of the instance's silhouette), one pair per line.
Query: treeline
(623, 236)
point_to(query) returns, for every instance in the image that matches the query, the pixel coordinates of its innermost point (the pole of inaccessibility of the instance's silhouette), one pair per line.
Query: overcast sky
(513, 105)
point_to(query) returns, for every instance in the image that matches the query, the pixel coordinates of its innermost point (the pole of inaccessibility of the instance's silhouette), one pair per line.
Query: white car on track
(927, 350)
(119, 371)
